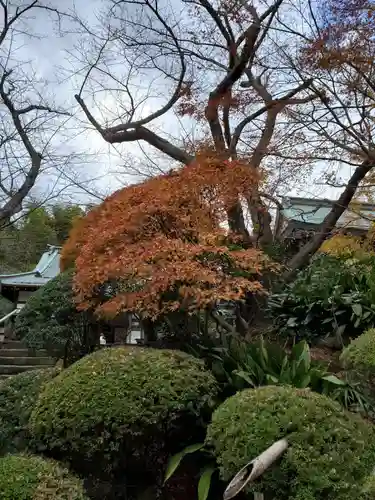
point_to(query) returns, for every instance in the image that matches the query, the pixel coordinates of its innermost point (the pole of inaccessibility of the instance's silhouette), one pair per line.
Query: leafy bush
(368, 490)
(360, 353)
(124, 407)
(6, 306)
(330, 453)
(333, 296)
(18, 395)
(49, 320)
(238, 365)
(24, 477)
(359, 359)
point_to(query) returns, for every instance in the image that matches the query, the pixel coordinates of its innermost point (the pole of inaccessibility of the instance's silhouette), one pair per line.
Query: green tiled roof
(313, 211)
(47, 268)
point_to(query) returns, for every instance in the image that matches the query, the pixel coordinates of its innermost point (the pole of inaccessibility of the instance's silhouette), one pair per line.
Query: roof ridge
(52, 254)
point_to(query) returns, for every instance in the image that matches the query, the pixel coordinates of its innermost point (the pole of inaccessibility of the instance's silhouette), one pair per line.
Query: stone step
(27, 360)
(13, 353)
(12, 344)
(13, 369)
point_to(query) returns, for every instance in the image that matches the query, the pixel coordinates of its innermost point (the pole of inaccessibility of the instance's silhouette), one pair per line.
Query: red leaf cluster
(160, 245)
(347, 36)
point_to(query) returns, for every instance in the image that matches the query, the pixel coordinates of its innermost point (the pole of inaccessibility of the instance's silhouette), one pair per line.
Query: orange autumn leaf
(161, 245)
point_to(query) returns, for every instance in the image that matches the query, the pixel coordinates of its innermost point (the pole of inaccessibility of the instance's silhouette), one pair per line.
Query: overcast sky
(49, 56)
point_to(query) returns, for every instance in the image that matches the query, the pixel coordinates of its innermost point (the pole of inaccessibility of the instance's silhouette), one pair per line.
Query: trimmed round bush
(359, 359)
(330, 452)
(18, 395)
(368, 490)
(123, 406)
(360, 353)
(24, 477)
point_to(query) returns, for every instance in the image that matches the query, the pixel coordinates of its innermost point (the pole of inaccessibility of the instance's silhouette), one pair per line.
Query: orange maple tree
(161, 245)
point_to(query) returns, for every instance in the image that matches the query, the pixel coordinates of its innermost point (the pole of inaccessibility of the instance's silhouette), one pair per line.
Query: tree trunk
(261, 219)
(302, 258)
(236, 222)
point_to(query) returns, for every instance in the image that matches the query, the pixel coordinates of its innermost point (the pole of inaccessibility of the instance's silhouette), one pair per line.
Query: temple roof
(47, 268)
(359, 215)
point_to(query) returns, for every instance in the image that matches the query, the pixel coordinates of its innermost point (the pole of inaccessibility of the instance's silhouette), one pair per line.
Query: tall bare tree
(33, 145)
(251, 80)
(203, 60)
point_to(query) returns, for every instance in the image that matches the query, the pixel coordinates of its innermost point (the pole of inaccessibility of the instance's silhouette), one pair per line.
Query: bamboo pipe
(255, 468)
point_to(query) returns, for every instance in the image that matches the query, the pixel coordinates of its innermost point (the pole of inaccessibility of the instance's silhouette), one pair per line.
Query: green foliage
(24, 477)
(332, 296)
(175, 461)
(239, 365)
(360, 353)
(22, 244)
(62, 220)
(18, 395)
(359, 359)
(124, 408)
(330, 452)
(206, 474)
(368, 490)
(6, 306)
(49, 320)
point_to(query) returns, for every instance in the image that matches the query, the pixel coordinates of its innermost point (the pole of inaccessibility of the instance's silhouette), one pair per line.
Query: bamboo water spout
(255, 468)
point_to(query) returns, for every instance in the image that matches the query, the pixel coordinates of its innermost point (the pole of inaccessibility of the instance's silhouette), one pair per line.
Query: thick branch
(303, 257)
(113, 135)
(282, 102)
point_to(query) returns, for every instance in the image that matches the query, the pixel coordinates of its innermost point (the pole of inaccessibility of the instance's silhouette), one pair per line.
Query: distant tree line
(23, 242)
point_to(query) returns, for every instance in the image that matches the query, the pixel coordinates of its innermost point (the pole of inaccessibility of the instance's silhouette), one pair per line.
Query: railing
(9, 315)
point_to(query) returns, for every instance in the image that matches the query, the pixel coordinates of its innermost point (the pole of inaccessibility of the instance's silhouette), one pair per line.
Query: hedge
(25, 477)
(330, 453)
(18, 395)
(360, 353)
(123, 406)
(358, 358)
(49, 320)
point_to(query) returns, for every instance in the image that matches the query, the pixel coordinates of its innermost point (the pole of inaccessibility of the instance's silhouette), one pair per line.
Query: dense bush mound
(330, 453)
(123, 406)
(360, 353)
(368, 490)
(24, 477)
(51, 321)
(18, 395)
(359, 359)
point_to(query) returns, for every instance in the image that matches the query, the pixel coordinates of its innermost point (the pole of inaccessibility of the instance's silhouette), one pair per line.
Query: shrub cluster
(18, 395)
(122, 406)
(24, 477)
(330, 453)
(359, 355)
(333, 296)
(49, 320)
(358, 358)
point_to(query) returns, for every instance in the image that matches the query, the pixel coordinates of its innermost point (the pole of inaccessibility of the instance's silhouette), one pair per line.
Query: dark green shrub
(358, 358)
(6, 306)
(330, 453)
(49, 320)
(368, 490)
(123, 406)
(25, 477)
(18, 395)
(332, 296)
(360, 353)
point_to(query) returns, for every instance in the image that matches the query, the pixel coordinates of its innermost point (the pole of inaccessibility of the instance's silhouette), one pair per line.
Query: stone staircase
(16, 358)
